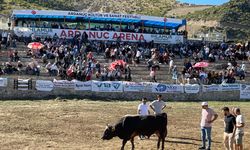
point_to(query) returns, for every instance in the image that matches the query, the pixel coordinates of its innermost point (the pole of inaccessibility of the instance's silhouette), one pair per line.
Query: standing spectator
(230, 127)
(143, 111)
(150, 63)
(143, 108)
(171, 65)
(239, 133)
(207, 50)
(138, 55)
(158, 105)
(127, 72)
(152, 74)
(208, 116)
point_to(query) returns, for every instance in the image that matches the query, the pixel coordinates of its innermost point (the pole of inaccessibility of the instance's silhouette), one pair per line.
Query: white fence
(124, 86)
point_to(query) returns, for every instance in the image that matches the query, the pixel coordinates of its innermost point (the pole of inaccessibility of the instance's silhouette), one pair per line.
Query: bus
(98, 26)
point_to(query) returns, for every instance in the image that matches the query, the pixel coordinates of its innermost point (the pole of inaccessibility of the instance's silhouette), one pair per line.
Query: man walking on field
(208, 116)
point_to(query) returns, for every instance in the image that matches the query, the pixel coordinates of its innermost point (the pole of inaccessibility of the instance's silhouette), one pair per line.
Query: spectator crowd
(77, 58)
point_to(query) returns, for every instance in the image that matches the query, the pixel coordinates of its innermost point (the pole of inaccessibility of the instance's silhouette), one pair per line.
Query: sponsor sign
(230, 87)
(245, 91)
(133, 87)
(192, 88)
(167, 88)
(64, 84)
(33, 13)
(3, 82)
(23, 84)
(100, 35)
(107, 86)
(211, 88)
(44, 85)
(148, 86)
(83, 86)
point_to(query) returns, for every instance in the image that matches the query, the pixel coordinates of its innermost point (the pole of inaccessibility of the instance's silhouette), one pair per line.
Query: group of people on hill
(234, 123)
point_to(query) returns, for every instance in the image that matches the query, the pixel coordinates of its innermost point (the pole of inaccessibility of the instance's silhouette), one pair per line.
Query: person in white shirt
(143, 108)
(171, 65)
(239, 133)
(138, 55)
(143, 111)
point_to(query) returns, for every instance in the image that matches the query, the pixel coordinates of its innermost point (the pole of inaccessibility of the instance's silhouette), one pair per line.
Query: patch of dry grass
(76, 124)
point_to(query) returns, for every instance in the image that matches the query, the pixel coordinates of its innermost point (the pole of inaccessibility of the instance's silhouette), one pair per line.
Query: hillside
(149, 7)
(232, 16)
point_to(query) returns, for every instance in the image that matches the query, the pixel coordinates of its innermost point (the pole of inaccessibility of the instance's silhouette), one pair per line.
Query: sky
(204, 2)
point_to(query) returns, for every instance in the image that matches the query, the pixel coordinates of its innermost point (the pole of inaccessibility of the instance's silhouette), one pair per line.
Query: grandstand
(139, 71)
(120, 36)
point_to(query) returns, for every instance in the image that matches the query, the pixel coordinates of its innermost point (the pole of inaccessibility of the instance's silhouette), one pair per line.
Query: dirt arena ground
(79, 124)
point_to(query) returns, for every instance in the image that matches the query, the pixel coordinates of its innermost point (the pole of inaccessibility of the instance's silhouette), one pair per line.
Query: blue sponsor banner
(167, 88)
(107, 86)
(230, 87)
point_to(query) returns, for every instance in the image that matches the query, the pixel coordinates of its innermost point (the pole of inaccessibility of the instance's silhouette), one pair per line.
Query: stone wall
(8, 93)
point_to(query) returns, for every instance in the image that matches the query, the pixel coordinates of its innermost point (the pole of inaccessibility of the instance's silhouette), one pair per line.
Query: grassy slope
(233, 16)
(149, 7)
(6, 6)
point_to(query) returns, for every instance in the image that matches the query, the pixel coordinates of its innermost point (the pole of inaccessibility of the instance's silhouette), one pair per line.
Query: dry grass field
(79, 124)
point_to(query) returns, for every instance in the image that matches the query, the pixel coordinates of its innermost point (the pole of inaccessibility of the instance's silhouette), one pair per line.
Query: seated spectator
(14, 56)
(9, 68)
(19, 66)
(117, 73)
(152, 74)
(230, 76)
(104, 73)
(52, 69)
(211, 58)
(88, 73)
(203, 77)
(71, 71)
(98, 69)
(44, 58)
(1, 71)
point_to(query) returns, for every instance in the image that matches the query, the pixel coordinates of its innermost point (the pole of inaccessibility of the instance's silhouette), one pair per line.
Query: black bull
(130, 126)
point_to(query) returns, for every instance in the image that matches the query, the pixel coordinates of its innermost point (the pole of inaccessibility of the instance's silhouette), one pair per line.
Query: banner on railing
(230, 87)
(148, 86)
(211, 88)
(192, 88)
(133, 87)
(23, 84)
(107, 86)
(167, 88)
(44, 85)
(245, 91)
(64, 84)
(3, 82)
(83, 86)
